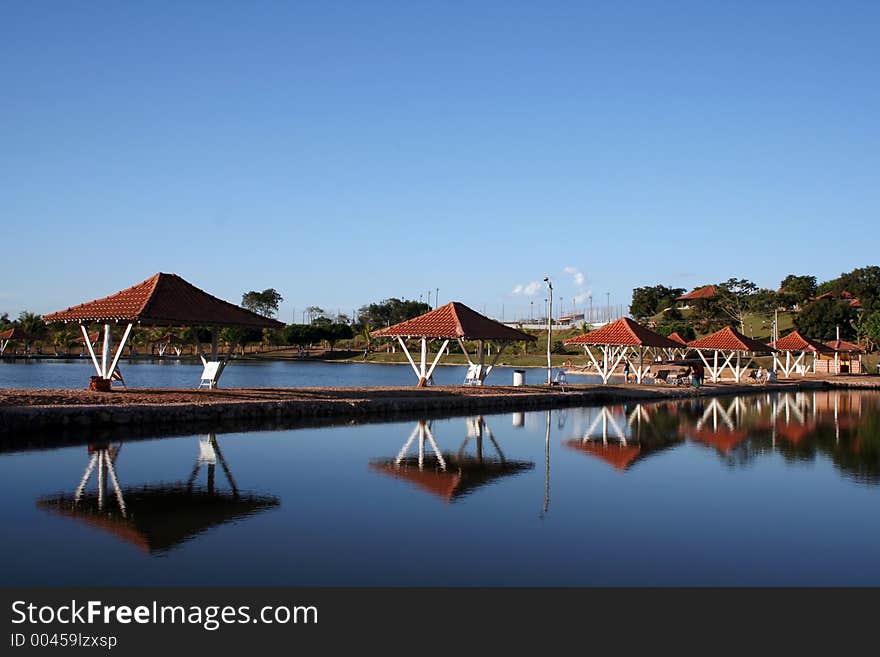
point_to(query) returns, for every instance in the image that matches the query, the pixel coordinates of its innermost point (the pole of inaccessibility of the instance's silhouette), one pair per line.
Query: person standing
(626, 371)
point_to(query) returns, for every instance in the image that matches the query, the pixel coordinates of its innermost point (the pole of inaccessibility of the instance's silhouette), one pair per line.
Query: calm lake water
(75, 373)
(760, 490)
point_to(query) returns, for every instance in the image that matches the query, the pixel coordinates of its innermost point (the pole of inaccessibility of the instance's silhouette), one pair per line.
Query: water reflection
(157, 517)
(622, 435)
(450, 476)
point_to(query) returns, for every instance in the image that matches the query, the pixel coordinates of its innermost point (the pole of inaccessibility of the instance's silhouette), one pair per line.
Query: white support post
(105, 351)
(437, 358)
(465, 351)
(641, 369)
(409, 357)
(491, 365)
(91, 349)
(119, 351)
(423, 363)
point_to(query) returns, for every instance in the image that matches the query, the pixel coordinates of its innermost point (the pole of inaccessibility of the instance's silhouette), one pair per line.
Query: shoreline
(27, 414)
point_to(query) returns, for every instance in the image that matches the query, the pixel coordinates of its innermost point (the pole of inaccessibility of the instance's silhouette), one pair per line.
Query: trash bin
(519, 377)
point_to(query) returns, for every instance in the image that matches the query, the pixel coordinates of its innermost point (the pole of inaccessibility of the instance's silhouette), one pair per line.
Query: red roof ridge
(164, 300)
(676, 337)
(730, 339)
(451, 321)
(624, 331)
(796, 341)
(844, 346)
(705, 292)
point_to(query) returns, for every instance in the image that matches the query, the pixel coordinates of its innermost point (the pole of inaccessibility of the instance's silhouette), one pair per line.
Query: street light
(549, 329)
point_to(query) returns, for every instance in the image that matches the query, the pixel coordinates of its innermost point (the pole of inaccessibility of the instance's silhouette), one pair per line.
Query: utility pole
(549, 330)
(437, 297)
(608, 306)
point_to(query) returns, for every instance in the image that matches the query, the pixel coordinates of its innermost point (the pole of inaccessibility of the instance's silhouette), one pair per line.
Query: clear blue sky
(345, 152)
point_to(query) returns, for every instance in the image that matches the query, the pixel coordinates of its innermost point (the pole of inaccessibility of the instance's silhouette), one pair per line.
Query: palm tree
(34, 326)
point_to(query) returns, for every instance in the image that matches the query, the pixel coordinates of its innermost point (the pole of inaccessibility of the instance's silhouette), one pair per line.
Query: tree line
(849, 302)
(321, 327)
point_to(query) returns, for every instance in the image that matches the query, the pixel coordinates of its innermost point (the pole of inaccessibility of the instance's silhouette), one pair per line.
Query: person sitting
(771, 376)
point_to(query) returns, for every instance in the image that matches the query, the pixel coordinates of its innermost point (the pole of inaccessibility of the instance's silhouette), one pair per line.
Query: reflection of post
(103, 458)
(547, 466)
(209, 454)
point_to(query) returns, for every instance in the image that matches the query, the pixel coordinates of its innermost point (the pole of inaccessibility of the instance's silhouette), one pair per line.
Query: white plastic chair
(210, 374)
(560, 380)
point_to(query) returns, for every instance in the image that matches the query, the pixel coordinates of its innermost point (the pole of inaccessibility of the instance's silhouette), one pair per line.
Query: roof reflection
(450, 476)
(157, 517)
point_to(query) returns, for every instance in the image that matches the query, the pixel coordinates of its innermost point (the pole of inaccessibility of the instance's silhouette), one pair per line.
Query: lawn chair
(662, 376)
(682, 379)
(210, 374)
(560, 380)
(472, 376)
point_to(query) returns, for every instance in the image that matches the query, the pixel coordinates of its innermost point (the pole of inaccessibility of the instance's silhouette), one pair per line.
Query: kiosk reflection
(450, 476)
(157, 517)
(620, 437)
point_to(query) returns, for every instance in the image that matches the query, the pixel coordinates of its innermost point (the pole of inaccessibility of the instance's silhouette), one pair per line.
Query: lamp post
(549, 329)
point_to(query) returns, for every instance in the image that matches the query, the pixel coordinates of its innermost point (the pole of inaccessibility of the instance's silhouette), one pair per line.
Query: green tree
(794, 290)
(302, 334)
(862, 282)
(34, 326)
(684, 330)
(868, 328)
(734, 299)
(820, 319)
(390, 311)
(337, 331)
(763, 302)
(263, 303)
(649, 300)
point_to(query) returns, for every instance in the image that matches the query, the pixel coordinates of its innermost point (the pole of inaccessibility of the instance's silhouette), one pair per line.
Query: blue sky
(345, 152)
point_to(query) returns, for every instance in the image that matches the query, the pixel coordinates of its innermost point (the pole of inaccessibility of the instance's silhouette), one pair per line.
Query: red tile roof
(794, 341)
(675, 337)
(729, 339)
(624, 331)
(844, 346)
(16, 333)
(454, 320)
(705, 292)
(164, 300)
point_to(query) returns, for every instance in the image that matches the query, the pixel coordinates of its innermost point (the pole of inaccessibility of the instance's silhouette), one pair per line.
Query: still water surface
(75, 373)
(770, 489)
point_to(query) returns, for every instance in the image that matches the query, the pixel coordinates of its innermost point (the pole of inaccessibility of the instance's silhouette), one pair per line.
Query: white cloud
(528, 290)
(577, 274)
